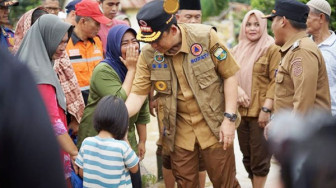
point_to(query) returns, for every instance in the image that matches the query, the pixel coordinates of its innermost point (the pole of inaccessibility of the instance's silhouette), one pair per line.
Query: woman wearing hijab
(62, 66)
(44, 42)
(114, 76)
(258, 57)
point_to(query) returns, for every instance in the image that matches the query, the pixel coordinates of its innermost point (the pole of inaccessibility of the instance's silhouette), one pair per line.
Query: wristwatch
(264, 109)
(232, 117)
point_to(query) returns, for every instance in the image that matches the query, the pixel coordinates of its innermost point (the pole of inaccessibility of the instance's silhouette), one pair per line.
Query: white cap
(321, 5)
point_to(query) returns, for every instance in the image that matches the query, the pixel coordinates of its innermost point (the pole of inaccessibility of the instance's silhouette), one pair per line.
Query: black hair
(111, 115)
(298, 25)
(38, 13)
(315, 11)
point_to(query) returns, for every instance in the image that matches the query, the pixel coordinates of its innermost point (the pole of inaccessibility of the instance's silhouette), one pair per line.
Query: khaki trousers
(219, 164)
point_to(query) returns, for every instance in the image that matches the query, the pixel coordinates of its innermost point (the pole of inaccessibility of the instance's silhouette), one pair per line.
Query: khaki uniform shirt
(301, 79)
(263, 84)
(190, 125)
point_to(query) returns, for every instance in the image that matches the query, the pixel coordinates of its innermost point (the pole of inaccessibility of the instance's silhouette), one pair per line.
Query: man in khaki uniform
(189, 12)
(193, 73)
(301, 79)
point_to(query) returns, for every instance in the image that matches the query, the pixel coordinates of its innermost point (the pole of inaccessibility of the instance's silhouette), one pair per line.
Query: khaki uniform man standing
(301, 79)
(193, 72)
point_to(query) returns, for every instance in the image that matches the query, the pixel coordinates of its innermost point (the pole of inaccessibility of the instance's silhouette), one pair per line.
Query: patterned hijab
(247, 52)
(38, 47)
(22, 27)
(113, 49)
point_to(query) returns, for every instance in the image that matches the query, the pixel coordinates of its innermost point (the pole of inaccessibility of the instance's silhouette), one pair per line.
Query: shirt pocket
(280, 89)
(161, 81)
(205, 73)
(261, 67)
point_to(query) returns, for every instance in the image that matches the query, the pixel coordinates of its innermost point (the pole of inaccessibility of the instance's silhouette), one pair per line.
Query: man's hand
(264, 118)
(152, 107)
(142, 150)
(227, 133)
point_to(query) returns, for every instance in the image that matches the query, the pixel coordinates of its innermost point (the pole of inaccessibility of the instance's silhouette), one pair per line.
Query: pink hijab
(247, 52)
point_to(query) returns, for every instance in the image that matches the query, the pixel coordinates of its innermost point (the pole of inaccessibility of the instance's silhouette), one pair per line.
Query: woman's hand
(131, 58)
(142, 150)
(243, 99)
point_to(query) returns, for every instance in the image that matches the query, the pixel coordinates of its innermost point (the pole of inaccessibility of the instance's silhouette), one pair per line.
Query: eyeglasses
(53, 10)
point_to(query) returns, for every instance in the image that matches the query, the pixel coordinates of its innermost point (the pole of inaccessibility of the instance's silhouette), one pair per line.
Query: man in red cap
(6, 34)
(84, 48)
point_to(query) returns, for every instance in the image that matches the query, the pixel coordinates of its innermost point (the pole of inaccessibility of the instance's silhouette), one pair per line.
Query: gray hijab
(38, 47)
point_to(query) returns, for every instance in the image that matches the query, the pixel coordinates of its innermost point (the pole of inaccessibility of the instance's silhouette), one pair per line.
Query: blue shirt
(6, 37)
(328, 49)
(105, 162)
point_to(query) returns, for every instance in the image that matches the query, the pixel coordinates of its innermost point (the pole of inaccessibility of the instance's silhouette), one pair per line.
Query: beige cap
(321, 5)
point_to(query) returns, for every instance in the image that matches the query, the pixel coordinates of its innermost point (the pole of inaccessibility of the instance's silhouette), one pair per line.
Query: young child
(106, 159)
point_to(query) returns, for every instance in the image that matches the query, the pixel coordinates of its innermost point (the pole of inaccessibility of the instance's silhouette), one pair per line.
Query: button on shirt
(328, 49)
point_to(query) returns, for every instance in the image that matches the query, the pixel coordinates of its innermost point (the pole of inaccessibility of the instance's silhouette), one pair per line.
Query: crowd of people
(87, 78)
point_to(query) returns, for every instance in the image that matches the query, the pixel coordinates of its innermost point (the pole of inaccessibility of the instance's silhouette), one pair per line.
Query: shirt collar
(290, 42)
(76, 39)
(329, 41)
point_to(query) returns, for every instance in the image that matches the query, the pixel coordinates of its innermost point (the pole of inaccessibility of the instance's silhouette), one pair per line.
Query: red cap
(90, 8)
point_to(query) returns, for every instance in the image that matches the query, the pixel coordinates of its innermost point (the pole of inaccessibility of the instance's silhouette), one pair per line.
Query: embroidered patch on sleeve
(220, 54)
(297, 67)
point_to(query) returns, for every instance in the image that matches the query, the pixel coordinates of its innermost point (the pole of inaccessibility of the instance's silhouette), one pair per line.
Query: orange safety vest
(84, 58)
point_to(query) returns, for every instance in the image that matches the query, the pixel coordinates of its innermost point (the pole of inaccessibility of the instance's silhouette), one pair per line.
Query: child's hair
(111, 115)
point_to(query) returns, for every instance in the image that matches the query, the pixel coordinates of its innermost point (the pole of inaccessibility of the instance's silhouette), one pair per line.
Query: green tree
(213, 7)
(266, 6)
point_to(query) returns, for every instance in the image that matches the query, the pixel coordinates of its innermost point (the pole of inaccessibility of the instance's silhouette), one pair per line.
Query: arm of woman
(48, 94)
(274, 57)
(142, 120)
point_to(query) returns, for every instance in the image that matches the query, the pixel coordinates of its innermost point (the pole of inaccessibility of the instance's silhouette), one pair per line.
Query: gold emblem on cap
(160, 85)
(273, 11)
(171, 6)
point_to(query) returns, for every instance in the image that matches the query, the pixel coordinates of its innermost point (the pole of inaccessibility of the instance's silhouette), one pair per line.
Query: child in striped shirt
(106, 159)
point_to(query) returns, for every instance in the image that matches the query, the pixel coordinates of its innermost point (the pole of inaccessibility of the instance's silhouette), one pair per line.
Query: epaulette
(295, 45)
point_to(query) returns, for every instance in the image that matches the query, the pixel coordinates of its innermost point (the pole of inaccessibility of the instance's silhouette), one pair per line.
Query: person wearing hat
(301, 82)
(189, 12)
(318, 26)
(6, 34)
(193, 73)
(70, 12)
(110, 9)
(84, 48)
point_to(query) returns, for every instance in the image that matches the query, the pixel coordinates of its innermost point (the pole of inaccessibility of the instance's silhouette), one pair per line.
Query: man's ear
(283, 21)
(173, 29)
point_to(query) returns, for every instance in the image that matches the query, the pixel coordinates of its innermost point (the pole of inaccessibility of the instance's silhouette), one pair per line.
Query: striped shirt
(105, 162)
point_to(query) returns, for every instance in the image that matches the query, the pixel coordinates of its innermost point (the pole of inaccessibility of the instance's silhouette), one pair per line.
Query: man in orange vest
(84, 48)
